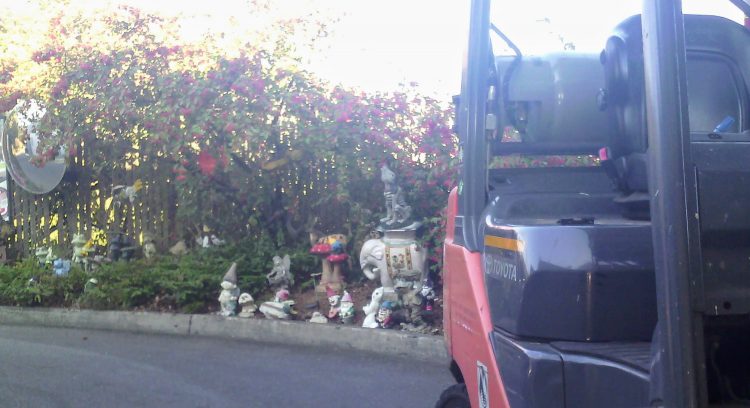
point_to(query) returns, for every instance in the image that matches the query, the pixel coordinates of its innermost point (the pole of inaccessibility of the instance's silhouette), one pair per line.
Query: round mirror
(19, 144)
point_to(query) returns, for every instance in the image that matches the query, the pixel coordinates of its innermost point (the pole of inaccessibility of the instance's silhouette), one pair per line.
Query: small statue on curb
(280, 275)
(247, 305)
(428, 295)
(385, 317)
(371, 309)
(50, 258)
(229, 292)
(149, 246)
(318, 317)
(333, 302)
(346, 310)
(280, 308)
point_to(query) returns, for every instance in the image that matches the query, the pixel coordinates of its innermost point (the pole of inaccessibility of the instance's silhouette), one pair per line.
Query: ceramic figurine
(280, 275)
(79, 249)
(280, 308)
(207, 239)
(229, 292)
(395, 260)
(41, 255)
(179, 249)
(333, 302)
(50, 258)
(149, 247)
(122, 193)
(346, 311)
(428, 295)
(371, 309)
(385, 315)
(90, 285)
(247, 305)
(61, 267)
(115, 246)
(127, 250)
(397, 211)
(324, 248)
(318, 317)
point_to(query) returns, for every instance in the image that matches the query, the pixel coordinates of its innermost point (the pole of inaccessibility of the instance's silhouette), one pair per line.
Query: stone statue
(79, 250)
(121, 193)
(281, 275)
(333, 302)
(50, 258)
(229, 292)
(330, 249)
(317, 317)
(346, 310)
(385, 315)
(371, 309)
(280, 308)
(41, 255)
(247, 303)
(179, 249)
(61, 267)
(149, 246)
(428, 295)
(397, 212)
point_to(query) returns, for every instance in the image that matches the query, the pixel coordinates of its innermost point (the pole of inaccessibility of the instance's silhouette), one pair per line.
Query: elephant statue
(396, 262)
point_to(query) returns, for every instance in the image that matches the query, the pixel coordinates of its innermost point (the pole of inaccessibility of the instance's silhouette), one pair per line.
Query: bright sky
(378, 44)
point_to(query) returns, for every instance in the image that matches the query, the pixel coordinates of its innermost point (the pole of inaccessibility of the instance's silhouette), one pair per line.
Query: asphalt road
(46, 367)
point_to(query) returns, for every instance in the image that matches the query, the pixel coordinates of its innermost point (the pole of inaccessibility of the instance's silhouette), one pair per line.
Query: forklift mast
(670, 240)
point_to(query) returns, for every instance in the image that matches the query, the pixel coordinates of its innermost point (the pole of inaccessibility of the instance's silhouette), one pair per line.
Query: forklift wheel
(454, 396)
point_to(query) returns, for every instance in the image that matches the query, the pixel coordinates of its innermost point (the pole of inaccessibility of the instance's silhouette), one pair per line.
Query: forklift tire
(454, 396)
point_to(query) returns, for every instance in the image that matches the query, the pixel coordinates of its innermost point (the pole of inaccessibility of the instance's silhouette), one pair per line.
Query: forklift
(625, 282)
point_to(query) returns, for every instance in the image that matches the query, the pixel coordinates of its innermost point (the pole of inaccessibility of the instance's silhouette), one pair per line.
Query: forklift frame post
(471, 127)
(672, 186)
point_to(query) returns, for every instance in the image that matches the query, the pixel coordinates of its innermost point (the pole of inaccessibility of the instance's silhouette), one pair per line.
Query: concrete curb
(390, 342)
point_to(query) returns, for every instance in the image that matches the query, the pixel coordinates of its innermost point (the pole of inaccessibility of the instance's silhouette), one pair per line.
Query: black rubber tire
(454, 396)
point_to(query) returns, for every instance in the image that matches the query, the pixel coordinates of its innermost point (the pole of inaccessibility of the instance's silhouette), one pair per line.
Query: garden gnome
(333, 301)
(346, 311)
(247, 303)
(280, 275)
(149, 247)
(385, 315)
(371, 309)
(428, 295)
(79, 249)
(229, 292)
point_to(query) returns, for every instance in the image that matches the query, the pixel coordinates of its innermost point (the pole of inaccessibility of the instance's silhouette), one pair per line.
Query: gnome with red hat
(334, 302)
(346, 310)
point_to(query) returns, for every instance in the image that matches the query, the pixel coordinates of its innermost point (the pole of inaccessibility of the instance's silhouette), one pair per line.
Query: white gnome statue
(229, 292)
(346, 310)
(371, 309)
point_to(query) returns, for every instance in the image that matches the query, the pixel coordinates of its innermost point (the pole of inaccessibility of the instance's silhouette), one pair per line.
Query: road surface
(47, 367)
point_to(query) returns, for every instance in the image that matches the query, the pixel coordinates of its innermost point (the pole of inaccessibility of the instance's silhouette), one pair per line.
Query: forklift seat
(718, 65)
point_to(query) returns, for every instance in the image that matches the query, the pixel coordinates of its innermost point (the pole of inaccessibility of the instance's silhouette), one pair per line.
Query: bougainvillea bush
(256, 143)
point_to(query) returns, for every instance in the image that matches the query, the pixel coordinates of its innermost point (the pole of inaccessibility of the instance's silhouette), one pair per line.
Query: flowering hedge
(256, 142)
